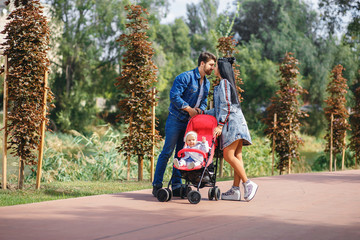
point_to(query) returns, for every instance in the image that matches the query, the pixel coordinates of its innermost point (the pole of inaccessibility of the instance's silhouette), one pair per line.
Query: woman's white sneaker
(231, 194)
(250, 189)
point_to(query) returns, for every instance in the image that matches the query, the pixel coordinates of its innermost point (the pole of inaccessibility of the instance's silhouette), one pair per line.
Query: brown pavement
(296, 206)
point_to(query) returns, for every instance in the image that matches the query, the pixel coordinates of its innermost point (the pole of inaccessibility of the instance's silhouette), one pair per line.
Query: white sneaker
(231, 194)
(250, 189)
(176, 163)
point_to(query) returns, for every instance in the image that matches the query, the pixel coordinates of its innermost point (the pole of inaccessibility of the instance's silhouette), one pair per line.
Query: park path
(296, 206)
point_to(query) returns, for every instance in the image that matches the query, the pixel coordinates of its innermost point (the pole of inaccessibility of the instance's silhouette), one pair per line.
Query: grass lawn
(63, 190)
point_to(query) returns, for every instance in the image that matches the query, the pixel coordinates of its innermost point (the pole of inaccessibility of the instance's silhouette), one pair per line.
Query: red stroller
(203, 175)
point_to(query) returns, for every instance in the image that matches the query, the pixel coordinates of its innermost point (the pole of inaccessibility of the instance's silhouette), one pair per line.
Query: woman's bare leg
(233, 155)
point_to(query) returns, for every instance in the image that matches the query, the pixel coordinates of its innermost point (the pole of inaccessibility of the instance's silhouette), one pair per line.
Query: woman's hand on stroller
(217, 131)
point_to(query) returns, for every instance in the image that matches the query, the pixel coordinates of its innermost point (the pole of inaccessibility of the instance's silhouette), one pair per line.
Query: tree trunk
(21, 173)
(140, 167)
(5, 115)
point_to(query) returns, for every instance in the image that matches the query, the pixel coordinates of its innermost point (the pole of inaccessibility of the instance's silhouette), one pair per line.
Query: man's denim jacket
(185, 92)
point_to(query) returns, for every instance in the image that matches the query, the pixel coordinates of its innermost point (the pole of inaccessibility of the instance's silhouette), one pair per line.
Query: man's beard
(208, 71)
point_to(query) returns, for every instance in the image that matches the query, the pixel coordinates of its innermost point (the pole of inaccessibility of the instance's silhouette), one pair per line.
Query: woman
(232, 128)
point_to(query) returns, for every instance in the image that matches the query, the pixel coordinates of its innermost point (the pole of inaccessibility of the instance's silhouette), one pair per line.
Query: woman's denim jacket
(185, 92)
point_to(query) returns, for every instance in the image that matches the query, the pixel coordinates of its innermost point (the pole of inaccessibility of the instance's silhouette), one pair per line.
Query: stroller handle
(191, 150)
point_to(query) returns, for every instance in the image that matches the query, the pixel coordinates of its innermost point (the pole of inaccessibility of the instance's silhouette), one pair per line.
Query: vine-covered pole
(289, 162)
(331, 140)
(273, 145)
(343, 153)
(42, 133)
(5, 112)
(153, 124)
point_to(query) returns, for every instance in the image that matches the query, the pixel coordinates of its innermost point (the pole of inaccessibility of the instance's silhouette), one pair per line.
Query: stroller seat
(204, 126)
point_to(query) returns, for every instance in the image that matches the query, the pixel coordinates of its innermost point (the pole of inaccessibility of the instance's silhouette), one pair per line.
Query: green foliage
(87, 58)
(355, 121)
(26, 45)
(87, 158)
(259, 77)
(322, 162)
(202, 20)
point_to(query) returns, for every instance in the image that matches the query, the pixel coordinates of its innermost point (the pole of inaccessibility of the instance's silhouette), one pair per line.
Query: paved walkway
(297, 206)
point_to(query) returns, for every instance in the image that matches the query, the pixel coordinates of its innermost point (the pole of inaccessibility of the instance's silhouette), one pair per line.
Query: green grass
(64, 190)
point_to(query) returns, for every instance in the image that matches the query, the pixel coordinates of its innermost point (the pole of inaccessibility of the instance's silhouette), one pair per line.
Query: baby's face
(191, 140)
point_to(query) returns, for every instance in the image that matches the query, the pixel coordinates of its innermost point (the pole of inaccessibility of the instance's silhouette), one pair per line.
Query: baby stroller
(200, 176)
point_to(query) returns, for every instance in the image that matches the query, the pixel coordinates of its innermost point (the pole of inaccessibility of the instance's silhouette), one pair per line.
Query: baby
(192, 159)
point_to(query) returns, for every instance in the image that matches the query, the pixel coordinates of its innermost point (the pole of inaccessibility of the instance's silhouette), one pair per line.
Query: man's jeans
(174, 136)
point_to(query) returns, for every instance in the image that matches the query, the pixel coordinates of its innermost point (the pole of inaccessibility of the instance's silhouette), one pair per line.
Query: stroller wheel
(184, 190)
(217, 193)
(211, 193)
(194, 197)
(163, 195)
(170, 193)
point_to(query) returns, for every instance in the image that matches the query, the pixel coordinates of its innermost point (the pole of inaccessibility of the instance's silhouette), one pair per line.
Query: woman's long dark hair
(227, 72)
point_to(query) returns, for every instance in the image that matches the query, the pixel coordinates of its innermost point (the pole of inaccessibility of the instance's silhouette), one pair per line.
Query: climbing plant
(336, 106)
(138, 75)
(26, 46)
(287, 107)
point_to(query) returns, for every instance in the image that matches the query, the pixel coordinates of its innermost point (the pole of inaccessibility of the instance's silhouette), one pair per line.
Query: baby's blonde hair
(190, 133)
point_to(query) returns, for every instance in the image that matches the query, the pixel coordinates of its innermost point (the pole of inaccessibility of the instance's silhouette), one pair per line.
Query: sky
(178, 8)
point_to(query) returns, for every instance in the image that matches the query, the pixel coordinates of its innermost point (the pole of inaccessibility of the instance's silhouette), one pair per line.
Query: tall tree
(287, 107)
(26, 45)
(138, 75)
(284, 25)
(355, 121)
(336, 106)
(202, 19)
(86, 57)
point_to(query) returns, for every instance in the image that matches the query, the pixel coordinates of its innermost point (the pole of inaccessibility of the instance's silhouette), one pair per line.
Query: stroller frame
(207, 179)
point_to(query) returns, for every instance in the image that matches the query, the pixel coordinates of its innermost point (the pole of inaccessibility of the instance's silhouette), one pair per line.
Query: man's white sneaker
(231, 194)
(250, 189)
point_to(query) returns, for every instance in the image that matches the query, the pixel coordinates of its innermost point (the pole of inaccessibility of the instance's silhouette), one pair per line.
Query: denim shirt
(229, 115)
(185, 92)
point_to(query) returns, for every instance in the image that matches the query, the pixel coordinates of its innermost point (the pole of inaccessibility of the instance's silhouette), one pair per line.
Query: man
(188, 97)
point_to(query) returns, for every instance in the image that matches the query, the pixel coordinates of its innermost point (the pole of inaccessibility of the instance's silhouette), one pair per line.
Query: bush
(322, 162)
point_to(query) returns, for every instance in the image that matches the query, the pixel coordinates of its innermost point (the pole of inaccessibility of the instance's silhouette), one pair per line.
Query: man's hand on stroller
(192, 111)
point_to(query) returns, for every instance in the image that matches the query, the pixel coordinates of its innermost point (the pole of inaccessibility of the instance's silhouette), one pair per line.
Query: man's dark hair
(205, 57)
